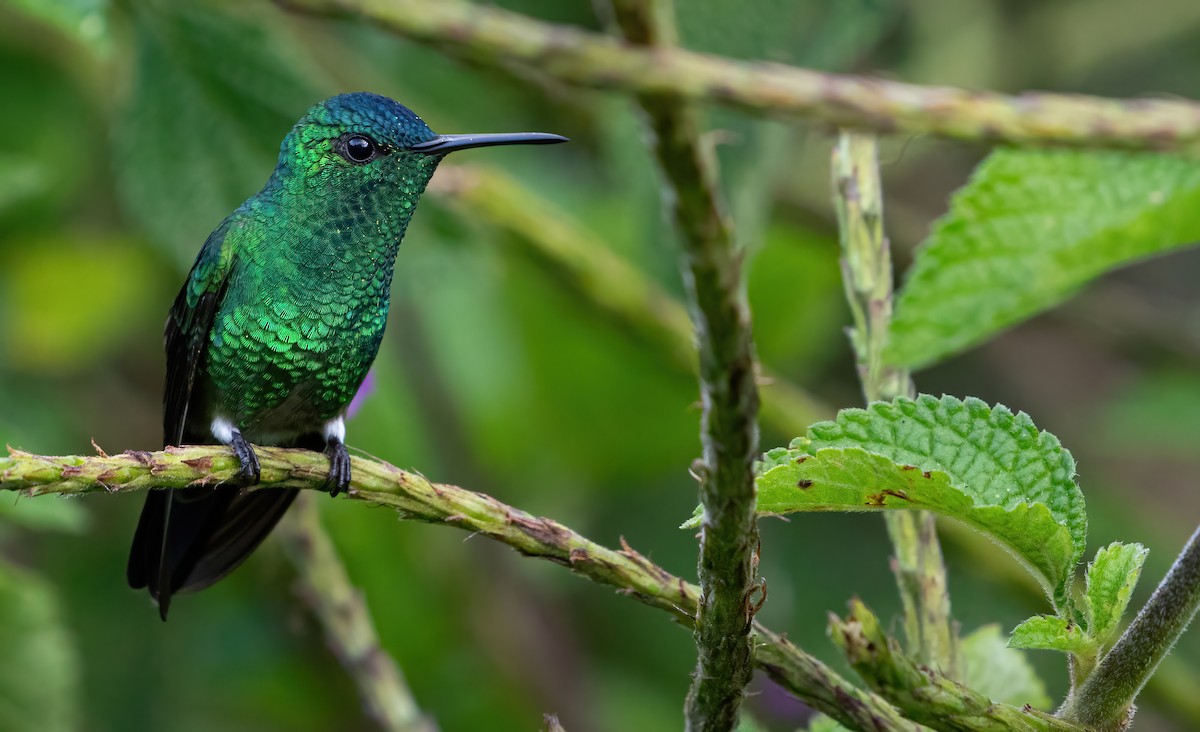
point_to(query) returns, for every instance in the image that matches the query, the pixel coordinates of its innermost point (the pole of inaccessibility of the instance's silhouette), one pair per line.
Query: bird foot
(250, 472)
(339, 468)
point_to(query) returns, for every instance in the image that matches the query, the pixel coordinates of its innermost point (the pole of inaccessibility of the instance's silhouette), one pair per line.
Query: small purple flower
(364, 392)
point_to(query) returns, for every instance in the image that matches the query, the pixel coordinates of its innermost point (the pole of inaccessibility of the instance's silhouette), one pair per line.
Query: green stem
(325, 587)
(923, 694)
(921, 578)
(1105, 700)
(499, 38)
(730, 593)
(418, 499)
(867, 274)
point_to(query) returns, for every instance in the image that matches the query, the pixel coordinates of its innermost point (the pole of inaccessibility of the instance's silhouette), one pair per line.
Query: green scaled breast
(308, 288)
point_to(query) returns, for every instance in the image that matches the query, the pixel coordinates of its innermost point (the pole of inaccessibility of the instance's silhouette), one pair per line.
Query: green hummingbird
(279, 321)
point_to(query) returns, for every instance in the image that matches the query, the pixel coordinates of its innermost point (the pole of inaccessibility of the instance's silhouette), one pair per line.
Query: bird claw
(250, 472)
(339, 468)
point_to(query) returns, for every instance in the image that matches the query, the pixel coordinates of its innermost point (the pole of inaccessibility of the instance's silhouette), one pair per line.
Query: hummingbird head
(366, 144)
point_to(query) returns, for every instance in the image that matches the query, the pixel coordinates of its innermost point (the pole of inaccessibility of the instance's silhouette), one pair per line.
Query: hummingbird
(278, 323)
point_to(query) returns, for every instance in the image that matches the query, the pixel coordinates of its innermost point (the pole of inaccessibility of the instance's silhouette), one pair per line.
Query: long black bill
(443, 144)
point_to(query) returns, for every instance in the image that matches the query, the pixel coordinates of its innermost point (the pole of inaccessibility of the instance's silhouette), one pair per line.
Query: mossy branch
(577, 56)
(417, 498)
(730, 593)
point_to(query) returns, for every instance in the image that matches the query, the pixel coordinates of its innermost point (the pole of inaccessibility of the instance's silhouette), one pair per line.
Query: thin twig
(416, 498)
(712, 273)
(867, 272)
(581, 57)
(325, 587)
(1105, 699)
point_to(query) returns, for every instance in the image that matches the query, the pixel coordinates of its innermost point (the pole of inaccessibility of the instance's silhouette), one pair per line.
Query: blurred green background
(129, 129)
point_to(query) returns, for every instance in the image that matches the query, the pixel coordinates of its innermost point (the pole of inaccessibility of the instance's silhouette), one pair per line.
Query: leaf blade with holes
(1030, 229)
(985, 466)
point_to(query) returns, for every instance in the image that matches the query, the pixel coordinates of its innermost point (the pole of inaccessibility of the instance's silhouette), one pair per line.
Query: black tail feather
(189, 538)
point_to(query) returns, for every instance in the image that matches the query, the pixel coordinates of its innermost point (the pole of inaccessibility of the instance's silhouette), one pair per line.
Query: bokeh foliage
(139, 124)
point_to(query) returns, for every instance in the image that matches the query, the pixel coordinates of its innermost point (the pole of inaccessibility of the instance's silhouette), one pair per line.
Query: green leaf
(983, 465)
(1000, 672)
(1052, 633)
(852, 479)
(1028, 230)
(1110, 582)
(47, 513)
(39, 677)
(214, 93)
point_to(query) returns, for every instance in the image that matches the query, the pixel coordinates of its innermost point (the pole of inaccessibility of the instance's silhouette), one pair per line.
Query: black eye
(360, 149)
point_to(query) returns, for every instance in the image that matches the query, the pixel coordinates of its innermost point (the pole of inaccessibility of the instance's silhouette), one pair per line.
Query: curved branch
(417, 498)
(414, 496)
(585, 58)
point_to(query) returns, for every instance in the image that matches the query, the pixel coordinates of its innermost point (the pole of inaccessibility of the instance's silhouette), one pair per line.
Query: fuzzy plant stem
(1105, 700)
(730, 593)
(325, 587)
(867, 275)
(497, 37)
(416, 498)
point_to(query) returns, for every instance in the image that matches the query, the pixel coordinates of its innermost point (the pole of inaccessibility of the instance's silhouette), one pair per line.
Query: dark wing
(188, 326)
(161, 540)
